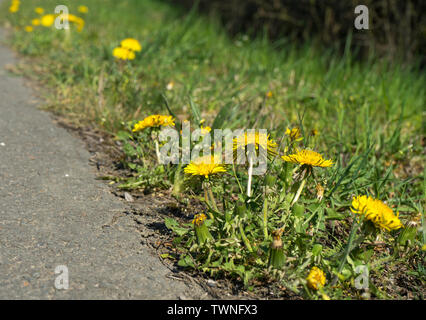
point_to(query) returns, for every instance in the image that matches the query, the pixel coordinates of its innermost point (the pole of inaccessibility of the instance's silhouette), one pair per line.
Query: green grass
(369, 114)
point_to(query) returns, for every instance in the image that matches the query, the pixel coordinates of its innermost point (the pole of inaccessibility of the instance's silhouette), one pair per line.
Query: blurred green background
(397, 29)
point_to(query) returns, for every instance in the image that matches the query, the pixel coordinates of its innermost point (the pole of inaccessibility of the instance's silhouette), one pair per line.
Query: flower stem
(67, 34)
(236, 178)
(265, 217)
(212, 199)
(157, 151)
(299, 191)
(206, 188)
(250, 174)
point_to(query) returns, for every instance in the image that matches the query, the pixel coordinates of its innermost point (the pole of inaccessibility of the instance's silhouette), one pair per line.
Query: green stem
(250, 174)
(213, 201)
(236, 178)
(157, 150)
(299, 191)
(207, 201)
(68, 34)
(265, 218)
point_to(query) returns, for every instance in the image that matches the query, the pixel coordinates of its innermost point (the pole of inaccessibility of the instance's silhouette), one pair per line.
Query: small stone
(2, 144)
(128, 197)
(211, 283)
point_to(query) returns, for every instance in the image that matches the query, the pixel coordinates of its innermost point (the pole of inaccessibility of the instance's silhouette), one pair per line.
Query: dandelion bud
(293, 133)
(276, 253)
(201, 230)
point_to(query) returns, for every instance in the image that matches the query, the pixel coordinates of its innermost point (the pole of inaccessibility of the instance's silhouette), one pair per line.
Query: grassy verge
(368, 116)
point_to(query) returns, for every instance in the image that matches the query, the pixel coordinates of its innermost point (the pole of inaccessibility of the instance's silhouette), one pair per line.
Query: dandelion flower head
(293, 133)
(153, 121)
(308, 157)
(259, 140)
(14, 7)
(316, 278)
(131, 44)
(123, 54)
(79, 22)
(205, 166)
(39, 10)
(83, 9)
(199, 219)
(35, 22)
(377, 212)
(47, 20)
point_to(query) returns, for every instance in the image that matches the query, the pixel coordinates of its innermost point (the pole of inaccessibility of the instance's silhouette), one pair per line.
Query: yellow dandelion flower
(199, 219)
(269, 94)
(205, 166)
(131, 44)
(35, 22)
(259, 140)
(293, 133)
(153, 121)
(14, 8)
(377, 212)
(39, 10)
(123, 54)
(29, 29)
(83, 9)
(47, 20)
(205, 130)
(316, 278)
(202, 232)
(309, 158)
(79, 22)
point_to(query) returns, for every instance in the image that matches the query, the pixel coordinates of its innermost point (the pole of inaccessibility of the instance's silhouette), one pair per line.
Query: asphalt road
(52, 213)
